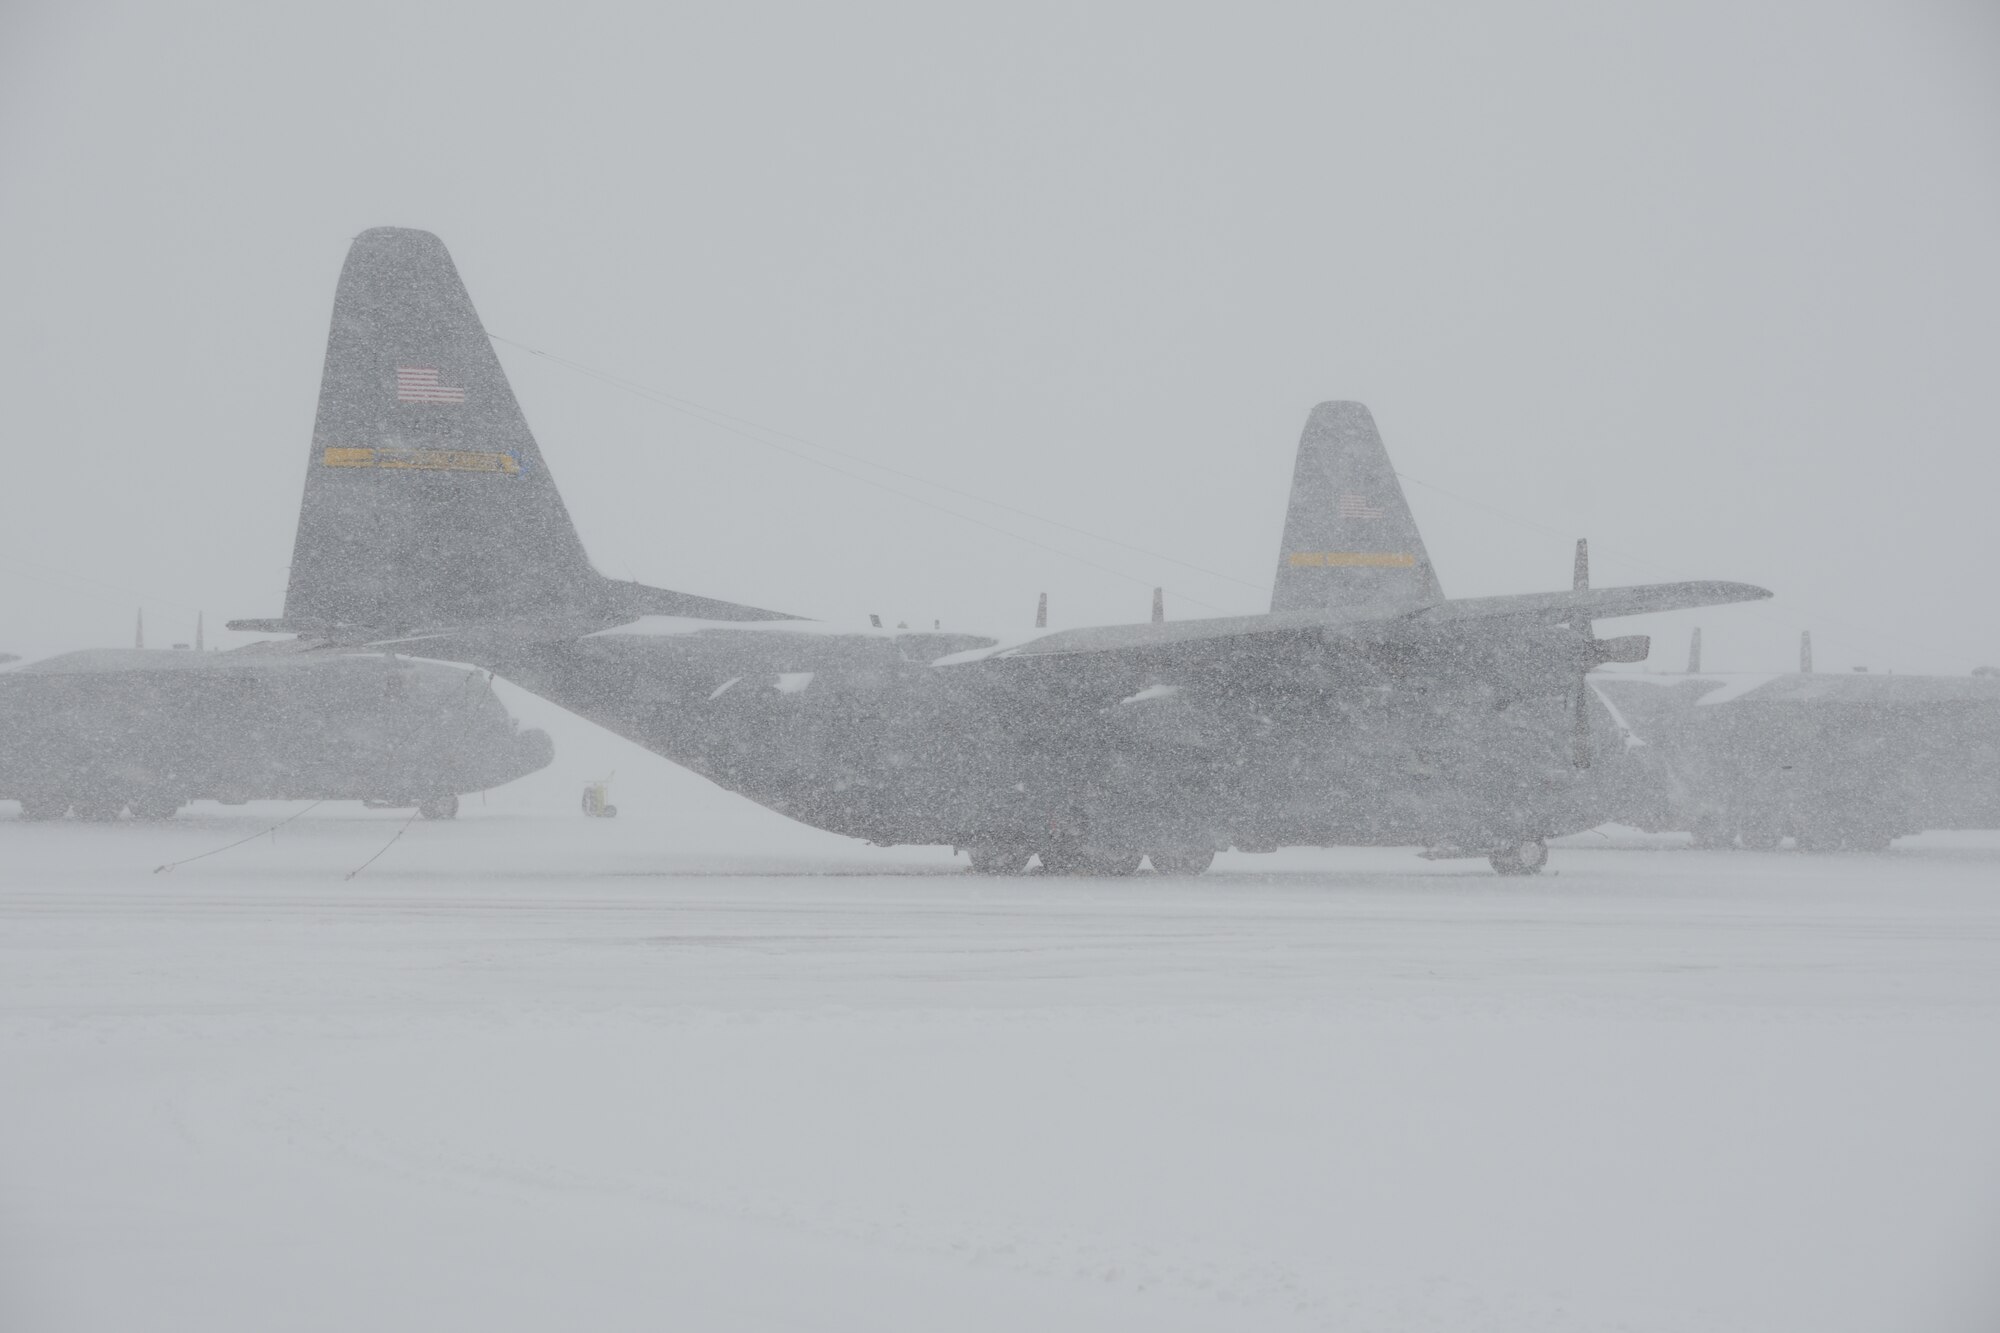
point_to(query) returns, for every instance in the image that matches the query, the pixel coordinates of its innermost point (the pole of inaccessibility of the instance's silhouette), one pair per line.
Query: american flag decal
(419, 384)
(1351, 505)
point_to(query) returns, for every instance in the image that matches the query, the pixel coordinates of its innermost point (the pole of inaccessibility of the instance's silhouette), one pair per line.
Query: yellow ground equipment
(597, 800)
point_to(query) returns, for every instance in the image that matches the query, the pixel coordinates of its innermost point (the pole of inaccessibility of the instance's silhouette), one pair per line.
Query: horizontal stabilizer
(618, 601)
(628, 599)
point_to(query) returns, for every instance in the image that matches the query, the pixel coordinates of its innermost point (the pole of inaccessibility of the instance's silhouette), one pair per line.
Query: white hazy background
(1714, 284)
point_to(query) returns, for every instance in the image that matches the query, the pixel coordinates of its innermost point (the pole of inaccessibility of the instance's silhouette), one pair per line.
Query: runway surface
(698, 1068)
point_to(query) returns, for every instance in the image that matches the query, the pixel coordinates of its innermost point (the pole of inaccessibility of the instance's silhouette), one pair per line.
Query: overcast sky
(1716, 285)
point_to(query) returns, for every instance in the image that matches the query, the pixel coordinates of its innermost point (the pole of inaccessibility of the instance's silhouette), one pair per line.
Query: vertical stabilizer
(1350, 539)
(426, 499)
(427, 504)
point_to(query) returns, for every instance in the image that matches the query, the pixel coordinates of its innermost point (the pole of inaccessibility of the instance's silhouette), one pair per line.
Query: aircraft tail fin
(427, 502)
(1350, 540)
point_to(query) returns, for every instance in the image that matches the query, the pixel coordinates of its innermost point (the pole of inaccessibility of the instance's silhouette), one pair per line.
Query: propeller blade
(1579, 737)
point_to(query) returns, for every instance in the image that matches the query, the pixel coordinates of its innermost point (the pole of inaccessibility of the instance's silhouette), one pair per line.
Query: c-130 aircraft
(1364, 708)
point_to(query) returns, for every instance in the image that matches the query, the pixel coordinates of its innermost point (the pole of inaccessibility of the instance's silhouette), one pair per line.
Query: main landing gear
(1181, 863)
(995, 860)
(999, 860)
(1522, 858)
(1081, 861)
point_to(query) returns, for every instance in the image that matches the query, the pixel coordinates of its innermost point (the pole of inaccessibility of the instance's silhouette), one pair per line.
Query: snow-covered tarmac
(699, 1068)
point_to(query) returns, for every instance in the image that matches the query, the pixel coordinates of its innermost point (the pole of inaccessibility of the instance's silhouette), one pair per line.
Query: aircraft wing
(1557, 608)
(1549, 608)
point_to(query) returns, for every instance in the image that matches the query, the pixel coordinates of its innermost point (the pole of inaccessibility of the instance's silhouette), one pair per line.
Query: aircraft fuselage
(1287, 742)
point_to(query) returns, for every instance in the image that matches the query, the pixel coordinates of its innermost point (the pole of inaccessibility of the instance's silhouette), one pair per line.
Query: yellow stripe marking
(1350, 559)
(445, 460)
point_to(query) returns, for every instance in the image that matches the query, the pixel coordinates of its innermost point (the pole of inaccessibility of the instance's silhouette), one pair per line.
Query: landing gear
(998, 860)
(1083, 861)
(1760, 837)
(1713, 835)
(1827, 836)
(439, 807)
(1180, 863)
(1524, 858)
(1821, 836)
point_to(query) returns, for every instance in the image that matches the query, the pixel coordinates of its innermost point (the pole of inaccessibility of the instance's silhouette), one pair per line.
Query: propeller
(1579, 715)
(1595, 652)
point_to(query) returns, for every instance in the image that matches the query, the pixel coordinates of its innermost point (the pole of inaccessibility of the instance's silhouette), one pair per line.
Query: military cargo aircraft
(1838, 762)
(101, 731)
(1364, 708)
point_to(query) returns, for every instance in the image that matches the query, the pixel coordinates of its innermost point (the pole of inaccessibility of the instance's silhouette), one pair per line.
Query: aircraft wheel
(1760, 838)
(99, 809)
(439, 807)
(1181, 863)
(1526, 858)
(1062, 862)
(998, 860)
(1076, 861)
(1711, 837)
(156, 807)
(44, 807)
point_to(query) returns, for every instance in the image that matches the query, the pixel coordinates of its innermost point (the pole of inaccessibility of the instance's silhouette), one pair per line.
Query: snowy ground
(699, 1068)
